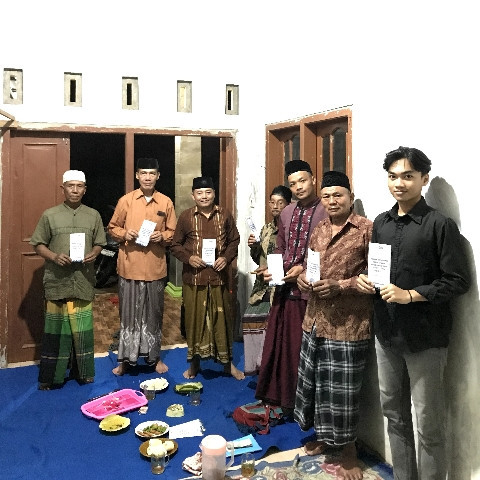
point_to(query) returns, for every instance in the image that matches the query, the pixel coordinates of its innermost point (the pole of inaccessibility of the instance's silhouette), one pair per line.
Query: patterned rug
(319, 467)
(107, 321)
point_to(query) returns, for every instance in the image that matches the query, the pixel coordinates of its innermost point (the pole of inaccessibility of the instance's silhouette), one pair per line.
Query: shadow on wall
(462, 375)
(371, 424)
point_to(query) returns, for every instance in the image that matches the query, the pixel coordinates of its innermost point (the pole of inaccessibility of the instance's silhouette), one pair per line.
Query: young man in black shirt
(412, 317)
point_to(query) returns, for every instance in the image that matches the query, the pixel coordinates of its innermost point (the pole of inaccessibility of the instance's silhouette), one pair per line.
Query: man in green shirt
(69, 237)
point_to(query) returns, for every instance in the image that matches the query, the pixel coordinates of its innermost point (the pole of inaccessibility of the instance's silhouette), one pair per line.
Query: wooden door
(37, 163)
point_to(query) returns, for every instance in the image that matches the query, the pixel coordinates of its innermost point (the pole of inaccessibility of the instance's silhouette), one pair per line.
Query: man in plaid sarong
(336, 328)
(69, 237)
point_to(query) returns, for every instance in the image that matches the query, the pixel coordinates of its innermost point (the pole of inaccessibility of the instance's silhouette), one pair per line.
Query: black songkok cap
(335, 179)
(147, 163)
(202, 182)
(297, 166)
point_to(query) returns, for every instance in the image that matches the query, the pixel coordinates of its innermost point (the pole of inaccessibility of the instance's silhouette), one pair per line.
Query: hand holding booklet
(144, 233)
(77, 247)
(313, 266)
(275, 267)
(379, 263)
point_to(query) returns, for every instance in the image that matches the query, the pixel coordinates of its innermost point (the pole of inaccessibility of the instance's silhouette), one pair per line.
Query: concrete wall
(408, 70)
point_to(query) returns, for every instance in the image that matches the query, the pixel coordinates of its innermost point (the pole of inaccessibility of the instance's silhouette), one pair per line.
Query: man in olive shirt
(69, 281)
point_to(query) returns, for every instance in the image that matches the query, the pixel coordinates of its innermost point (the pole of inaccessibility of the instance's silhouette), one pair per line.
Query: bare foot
(193, 369)
(234, 371)
(161, 367)
(315, 447)
(119, 370)
(349, 468)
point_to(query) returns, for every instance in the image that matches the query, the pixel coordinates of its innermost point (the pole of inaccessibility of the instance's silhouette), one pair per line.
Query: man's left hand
(220, 264)
(156, 237)
(90, 257)
(293, 273)
(326, 288)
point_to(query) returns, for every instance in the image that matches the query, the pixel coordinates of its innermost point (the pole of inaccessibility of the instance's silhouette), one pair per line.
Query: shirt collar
(418, 211)
(215, 209)
(140, 194)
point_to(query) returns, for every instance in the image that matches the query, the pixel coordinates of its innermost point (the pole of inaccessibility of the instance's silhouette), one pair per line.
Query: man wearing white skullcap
(69, 237)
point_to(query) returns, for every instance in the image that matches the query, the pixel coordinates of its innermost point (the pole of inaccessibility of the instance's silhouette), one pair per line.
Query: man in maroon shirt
(207, 302)
(277, 379)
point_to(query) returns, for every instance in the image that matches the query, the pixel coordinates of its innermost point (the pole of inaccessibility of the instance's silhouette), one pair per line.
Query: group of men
(318, 334)
(144, 223)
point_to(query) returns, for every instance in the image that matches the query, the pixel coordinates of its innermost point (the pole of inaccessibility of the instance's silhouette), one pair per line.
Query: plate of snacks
(158, 384)
(114, 423)
(188, 387)
(171, 446)
(151, 429)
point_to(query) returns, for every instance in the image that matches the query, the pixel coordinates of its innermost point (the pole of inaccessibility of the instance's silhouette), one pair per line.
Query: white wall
(408, 69)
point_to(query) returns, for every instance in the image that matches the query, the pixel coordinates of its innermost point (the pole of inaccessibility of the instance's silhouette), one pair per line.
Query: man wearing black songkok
(336, 328)
(142, 268)
(277, 378)
(206, 297)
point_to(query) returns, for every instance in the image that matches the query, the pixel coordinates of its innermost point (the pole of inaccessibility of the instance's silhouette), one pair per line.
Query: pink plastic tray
(116, 402)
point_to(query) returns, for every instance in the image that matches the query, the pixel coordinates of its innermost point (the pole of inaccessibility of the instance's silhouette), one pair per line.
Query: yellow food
(111, 423)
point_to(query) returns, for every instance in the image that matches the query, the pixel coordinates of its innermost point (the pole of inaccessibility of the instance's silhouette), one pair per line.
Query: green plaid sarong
(67, 341)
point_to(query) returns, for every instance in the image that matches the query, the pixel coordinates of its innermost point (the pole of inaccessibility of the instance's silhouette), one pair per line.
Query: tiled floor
(107, 321)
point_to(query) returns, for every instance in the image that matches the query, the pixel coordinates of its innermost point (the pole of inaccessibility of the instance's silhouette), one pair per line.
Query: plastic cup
(195, 399)
(247, 465)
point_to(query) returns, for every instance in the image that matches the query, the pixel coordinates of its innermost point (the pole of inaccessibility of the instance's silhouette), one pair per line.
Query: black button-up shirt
(428, 256)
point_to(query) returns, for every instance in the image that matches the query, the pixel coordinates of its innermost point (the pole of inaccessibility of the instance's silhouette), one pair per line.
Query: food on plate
(157, 447)
(112, 423)
(188, 387)
(169, 445)
(155, 383)
(154, 429)
(175, 410)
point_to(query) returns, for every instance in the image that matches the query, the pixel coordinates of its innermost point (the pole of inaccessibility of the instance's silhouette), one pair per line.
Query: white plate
(139, 429)
(159, 384)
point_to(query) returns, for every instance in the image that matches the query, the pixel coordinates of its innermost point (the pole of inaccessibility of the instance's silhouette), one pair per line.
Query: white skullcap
(77, 175)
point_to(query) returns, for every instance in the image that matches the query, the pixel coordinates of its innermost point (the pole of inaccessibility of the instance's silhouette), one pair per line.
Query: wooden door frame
(277, 133)
(227, 177)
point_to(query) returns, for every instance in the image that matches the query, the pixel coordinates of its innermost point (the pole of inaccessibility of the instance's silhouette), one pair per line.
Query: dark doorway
(161, 147)
(211, 161)
(102, 157)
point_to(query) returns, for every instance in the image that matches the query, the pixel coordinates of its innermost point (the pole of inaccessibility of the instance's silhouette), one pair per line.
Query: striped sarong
(330, 377)
(141, 306)
(208, 322)
(67, 341)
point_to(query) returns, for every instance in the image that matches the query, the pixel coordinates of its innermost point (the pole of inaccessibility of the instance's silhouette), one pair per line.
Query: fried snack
(154, 429)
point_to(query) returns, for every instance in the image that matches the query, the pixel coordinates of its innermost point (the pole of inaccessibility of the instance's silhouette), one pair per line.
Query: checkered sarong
(330, 375)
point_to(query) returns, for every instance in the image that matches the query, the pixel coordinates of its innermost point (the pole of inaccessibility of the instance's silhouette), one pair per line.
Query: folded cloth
(193, 464)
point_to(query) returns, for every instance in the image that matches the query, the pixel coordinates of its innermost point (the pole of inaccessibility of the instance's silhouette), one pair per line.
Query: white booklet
(379, 263)
(194, 428)
(208, 250)
(313, 266)
(77, 247)
(144, 233)
(275, 267)
(253, 228)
